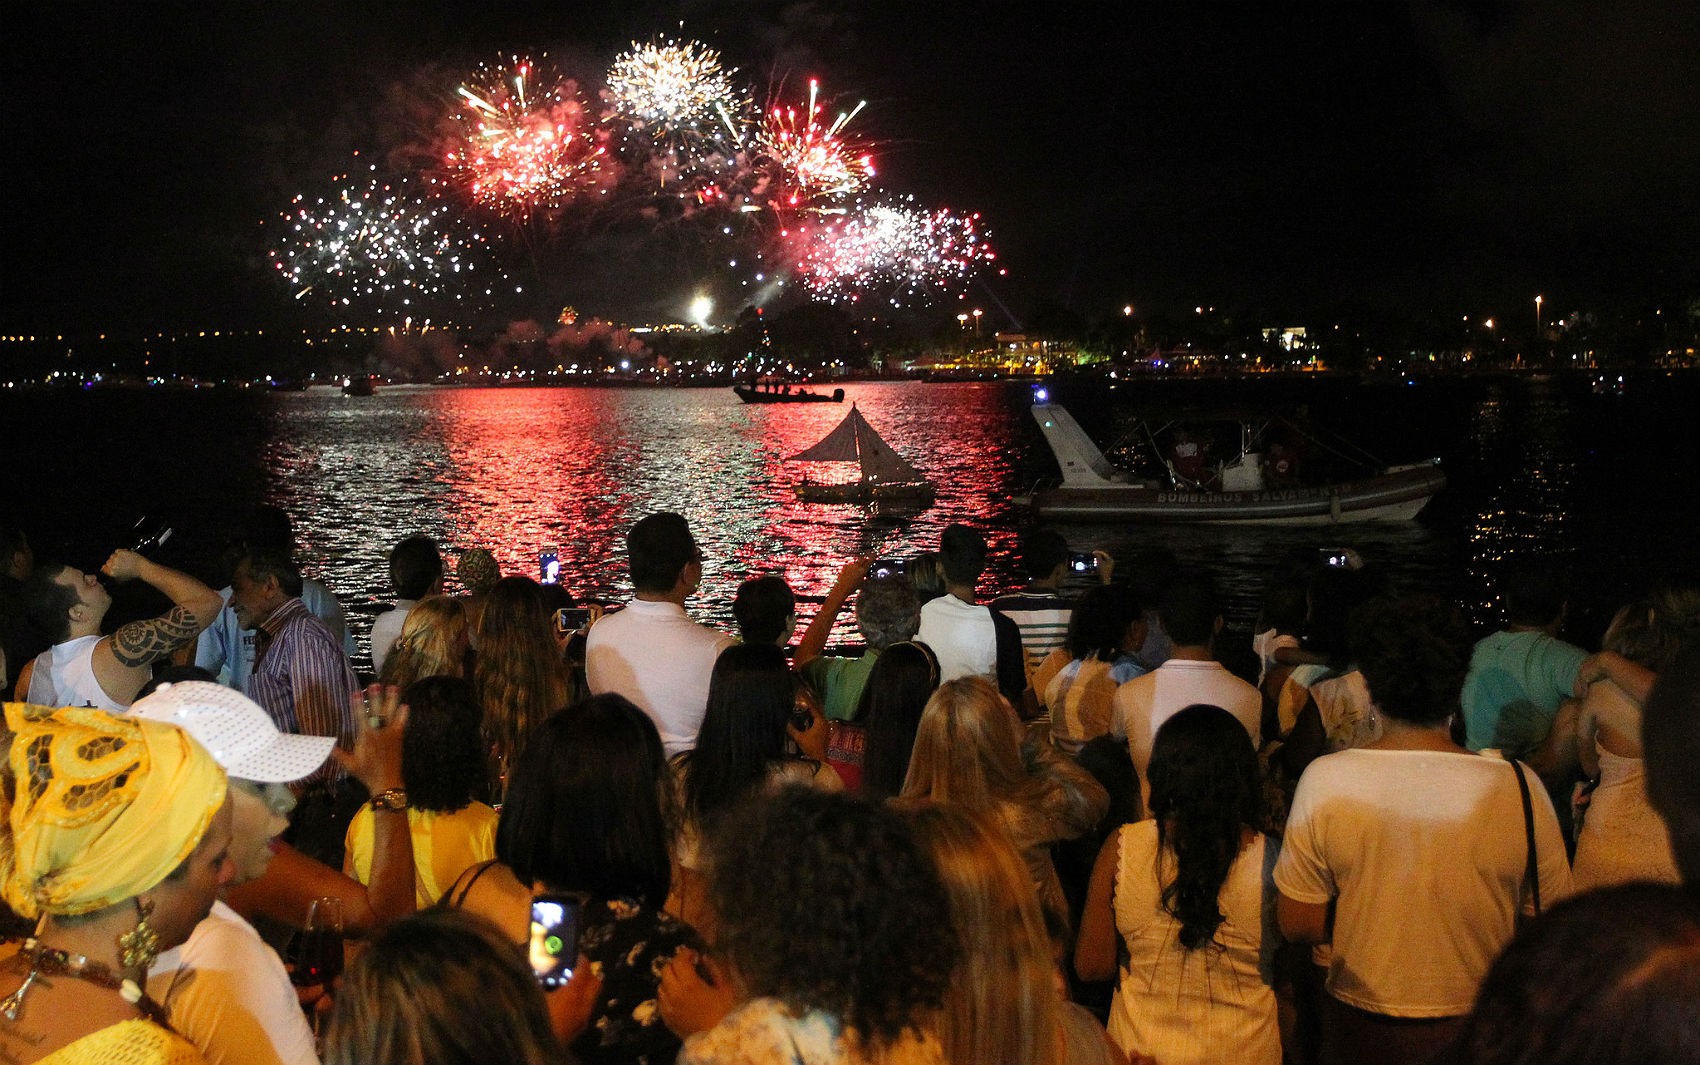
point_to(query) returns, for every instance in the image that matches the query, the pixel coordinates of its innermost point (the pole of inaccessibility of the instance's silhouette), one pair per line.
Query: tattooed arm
(121, 661)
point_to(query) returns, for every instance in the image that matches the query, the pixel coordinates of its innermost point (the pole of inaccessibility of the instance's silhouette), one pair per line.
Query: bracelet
(390, 799)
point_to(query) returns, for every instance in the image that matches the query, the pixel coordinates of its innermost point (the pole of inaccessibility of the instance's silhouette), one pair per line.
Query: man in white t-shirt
(965, 636)
(227, 991)
(1419, 845)
(1191, 614)
(650, 651)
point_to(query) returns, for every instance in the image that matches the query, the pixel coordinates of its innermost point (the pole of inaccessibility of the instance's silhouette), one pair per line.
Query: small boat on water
(1235, 491)
(360, 385)
(780, 392)
(886, 478)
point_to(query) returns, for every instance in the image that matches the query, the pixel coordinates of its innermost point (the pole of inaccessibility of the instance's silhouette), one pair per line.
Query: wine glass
(318, 949)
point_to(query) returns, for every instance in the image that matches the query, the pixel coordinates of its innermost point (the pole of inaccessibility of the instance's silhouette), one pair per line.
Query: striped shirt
(1042, 618)
(301, 678)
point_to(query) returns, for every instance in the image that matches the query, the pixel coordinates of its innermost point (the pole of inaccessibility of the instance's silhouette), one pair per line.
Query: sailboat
(886, 477)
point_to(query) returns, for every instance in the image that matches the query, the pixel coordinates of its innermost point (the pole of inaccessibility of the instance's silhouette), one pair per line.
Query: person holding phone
(887, 613)
(762, 730)
(586, 823)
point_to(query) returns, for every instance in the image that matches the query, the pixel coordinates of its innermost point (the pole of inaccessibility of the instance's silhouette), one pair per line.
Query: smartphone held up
(553, 947)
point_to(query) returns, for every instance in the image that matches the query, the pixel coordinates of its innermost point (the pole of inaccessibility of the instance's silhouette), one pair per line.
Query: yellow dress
(136, 1042)
(445, 845)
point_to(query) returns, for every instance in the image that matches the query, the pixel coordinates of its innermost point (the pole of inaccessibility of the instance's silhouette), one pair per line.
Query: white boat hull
(1091, 491)
(1398, 495)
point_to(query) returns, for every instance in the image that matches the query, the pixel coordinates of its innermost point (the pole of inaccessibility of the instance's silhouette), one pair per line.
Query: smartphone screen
(1082, 561)
(887, 567)
(554, 938)
(572, 618)
(548, 566)
(1334, 556)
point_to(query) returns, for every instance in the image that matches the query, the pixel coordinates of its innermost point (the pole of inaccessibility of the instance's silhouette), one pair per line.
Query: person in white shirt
(226, 990)
(1191, 614)
(416, 571)
(84, 668)
(965, 636)
(1418, 846)
(650, 651)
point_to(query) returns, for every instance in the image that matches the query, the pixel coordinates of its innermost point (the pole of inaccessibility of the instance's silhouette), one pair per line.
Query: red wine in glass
(318, 957)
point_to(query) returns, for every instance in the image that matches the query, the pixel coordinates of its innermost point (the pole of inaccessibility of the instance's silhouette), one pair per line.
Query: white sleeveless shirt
(64, 676)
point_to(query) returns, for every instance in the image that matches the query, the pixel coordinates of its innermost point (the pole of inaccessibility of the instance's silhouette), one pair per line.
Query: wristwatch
(390, 799)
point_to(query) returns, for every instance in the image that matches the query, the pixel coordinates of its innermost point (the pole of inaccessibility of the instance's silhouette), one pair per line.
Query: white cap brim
(287, 758)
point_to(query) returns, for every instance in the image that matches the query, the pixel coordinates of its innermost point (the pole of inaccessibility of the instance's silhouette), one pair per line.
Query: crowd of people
(1055, 827)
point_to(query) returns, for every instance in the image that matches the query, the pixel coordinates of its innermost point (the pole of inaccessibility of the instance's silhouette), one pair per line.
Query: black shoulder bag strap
(1532, 871)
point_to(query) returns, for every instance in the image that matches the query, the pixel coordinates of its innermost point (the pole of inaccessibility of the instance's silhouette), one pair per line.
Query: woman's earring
(138, 947)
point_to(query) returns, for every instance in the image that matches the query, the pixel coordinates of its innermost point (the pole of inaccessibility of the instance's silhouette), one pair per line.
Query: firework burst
(895, 250)
(685, 120)
(524, 141)
(384, 246)
(813, 159)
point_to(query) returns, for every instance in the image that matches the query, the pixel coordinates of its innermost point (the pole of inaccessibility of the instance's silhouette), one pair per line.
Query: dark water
(1605, 483)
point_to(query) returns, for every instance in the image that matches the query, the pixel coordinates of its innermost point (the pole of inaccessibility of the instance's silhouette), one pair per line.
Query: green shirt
(839, 682)
(1513, 690)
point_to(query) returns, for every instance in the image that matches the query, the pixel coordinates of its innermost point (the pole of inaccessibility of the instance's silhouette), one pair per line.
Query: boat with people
(885, 478)
(771, 391)
(1258, 483)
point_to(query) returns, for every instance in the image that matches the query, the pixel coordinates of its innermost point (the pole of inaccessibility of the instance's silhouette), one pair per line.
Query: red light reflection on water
(519, 470)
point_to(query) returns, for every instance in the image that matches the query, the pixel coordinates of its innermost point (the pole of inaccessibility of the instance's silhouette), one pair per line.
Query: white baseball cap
(236, 731)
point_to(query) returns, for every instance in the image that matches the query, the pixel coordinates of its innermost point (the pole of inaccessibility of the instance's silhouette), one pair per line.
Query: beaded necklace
(56, 962)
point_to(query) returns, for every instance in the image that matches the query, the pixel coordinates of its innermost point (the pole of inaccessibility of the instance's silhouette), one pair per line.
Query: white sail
(854, 440)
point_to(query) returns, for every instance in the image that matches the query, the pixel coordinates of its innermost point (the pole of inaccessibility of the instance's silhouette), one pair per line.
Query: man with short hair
(1041, 610)
(650, 651)
(416, 571)
(887, 612)
(970, 639)
(84, 668)
(302, 680)
(765, 609)
(1521, 676)
(226, 649)
(1191, 612)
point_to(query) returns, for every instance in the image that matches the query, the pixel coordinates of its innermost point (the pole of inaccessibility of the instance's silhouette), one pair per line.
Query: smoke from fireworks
(814, 160)
(900, 252)
(388, 246)
(525, 141)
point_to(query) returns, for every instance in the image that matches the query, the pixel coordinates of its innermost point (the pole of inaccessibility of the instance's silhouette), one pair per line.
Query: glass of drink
(318, 949)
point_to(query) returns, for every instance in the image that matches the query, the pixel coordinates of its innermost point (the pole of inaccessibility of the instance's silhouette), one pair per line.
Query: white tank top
(64, 676)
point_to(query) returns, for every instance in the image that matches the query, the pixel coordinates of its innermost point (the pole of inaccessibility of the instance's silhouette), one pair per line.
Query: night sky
(1295, 159)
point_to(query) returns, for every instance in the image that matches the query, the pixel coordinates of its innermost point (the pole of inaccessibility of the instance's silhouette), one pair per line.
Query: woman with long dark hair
(1185, 893)
(897, 691)
(587, 814)
(762, 729)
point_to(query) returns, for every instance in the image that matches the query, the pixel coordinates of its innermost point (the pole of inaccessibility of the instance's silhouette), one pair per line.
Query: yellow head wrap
(102, 807)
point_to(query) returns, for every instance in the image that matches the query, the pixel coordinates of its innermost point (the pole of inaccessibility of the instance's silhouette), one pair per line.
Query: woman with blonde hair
(1004, 1003)
(520, 675)
(441, 988)
(969, 752)
(433, 643)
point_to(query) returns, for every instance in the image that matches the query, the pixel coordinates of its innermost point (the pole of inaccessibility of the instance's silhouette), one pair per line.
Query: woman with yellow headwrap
(119, 841)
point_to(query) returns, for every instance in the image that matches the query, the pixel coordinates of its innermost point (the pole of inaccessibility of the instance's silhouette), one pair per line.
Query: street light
(1538, 317)
(977, 313)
